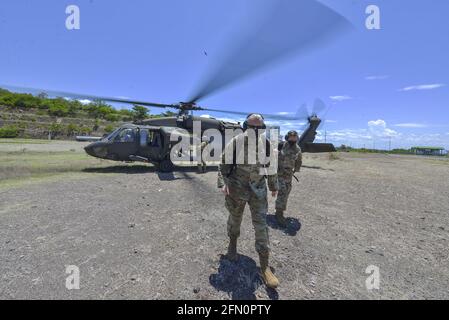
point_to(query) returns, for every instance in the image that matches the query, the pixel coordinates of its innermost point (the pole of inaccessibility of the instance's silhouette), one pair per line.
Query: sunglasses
(256, 127)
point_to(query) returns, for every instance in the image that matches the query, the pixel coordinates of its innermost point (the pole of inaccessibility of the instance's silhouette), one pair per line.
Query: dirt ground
(135, 233)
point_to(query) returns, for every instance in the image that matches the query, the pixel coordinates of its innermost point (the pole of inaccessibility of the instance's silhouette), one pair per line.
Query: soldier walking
(202, 166)
(289, 162)
(244, 184)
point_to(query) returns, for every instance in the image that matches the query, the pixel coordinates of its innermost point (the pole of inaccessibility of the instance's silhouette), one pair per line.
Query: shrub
(72, 129)
(58, 110)
(113, 117)
(85, 130)
(96, 125)
(56, 128)
(109, 128)
(9, 132)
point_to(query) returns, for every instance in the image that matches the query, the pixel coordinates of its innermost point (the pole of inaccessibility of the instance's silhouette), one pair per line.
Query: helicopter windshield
(125, 135)
(122, 135)
(111, 136)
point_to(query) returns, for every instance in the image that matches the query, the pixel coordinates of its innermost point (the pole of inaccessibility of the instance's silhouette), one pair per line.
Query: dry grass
(24, 166)
(333, 156)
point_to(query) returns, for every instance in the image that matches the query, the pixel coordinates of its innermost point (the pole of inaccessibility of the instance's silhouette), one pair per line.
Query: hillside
(28, 116)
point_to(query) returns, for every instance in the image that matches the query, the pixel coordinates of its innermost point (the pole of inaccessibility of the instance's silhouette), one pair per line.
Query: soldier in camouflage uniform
(289, 162)
(244, 184)
(202, 166)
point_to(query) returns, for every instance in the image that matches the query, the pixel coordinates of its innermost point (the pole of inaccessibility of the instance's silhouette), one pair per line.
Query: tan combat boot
(281, 219)
(270, 279)
(232, 250)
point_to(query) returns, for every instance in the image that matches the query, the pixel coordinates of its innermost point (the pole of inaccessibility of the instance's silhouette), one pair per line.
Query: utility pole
(325, 136)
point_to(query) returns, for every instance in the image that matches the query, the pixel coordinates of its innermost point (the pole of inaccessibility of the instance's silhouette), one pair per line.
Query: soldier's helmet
(291, 133)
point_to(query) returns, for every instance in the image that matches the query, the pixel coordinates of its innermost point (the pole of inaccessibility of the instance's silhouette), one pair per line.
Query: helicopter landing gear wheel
(166, 165)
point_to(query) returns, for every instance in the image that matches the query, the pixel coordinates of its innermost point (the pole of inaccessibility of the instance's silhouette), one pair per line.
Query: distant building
(428, 151)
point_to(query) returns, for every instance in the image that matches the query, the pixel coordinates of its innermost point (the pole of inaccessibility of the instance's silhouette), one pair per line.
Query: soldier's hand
(225, 190)
(274, 193)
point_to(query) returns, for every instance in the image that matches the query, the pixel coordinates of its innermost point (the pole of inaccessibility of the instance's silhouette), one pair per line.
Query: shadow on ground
(239, 279)
(316, 168)
(178, 173)
(293, 225)
(122, 169)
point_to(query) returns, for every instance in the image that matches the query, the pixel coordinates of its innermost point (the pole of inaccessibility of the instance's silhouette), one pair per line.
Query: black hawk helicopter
(149, 140)
(289, 27)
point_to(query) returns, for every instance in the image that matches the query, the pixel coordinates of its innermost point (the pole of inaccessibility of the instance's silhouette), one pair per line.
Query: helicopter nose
(90, 150)
(97, 149)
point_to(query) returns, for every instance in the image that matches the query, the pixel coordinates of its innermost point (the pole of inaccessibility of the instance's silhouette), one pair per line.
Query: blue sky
(381, 85)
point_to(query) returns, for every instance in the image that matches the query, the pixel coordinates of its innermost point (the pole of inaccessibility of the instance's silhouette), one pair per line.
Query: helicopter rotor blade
(288, 27)
(79, 96)
(265, 115)
(303, 112)
(318, 106)
(320, 109)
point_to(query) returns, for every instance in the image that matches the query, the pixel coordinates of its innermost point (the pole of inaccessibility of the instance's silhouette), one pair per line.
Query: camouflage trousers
(285, 186)
(258, 208)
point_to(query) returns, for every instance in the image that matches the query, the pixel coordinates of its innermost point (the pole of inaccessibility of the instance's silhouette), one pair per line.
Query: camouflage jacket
(289, 159)
(244, 179)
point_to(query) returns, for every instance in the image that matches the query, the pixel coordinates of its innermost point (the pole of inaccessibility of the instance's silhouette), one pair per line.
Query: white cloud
(84, 101)
(423, 87)
(284, 113)
(411, 125)
(348, 134)
(378, 128)
(340, 98)
(382, 77)
(378, 135)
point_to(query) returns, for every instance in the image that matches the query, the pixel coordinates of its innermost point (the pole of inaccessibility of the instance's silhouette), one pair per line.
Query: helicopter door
(150, 144)
(124, 144)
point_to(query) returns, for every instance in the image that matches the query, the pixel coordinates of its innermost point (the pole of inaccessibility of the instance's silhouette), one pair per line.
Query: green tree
(140, 112)
(96, 125)
(58, 110)
(112, 117)
(56, 129)
(72, 129)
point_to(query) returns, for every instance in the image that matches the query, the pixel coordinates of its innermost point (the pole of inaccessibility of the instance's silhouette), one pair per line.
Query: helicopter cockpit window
(112, 135)
(126, 135)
